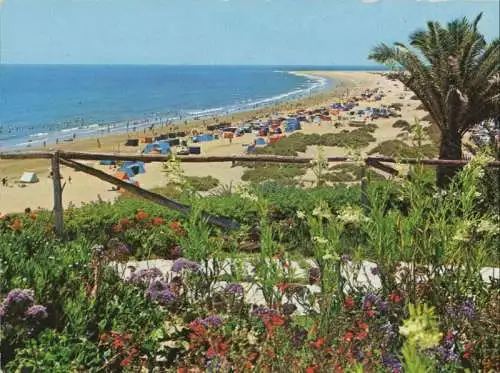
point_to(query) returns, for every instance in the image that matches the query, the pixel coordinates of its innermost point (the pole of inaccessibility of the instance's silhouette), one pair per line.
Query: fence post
(58, 207)
(364, 183)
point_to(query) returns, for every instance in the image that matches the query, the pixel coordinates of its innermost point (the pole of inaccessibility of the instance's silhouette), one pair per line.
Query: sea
(42, 104)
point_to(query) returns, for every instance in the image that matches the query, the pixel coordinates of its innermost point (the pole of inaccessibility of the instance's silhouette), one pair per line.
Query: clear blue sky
(304, 32)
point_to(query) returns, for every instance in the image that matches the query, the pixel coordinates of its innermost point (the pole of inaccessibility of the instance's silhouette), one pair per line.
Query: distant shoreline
(36, 137)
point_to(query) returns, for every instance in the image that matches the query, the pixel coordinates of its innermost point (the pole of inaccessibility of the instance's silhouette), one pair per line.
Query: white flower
(248, 196)
(320, 240)
(321, 212)
(488, 226)
(252, 338)
(462, 234)
(351, 214)
(301, 214)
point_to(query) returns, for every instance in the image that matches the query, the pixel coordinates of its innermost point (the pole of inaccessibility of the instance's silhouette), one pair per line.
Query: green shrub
(202, 183)
(403, 124)
(398, 148)
(283, 174)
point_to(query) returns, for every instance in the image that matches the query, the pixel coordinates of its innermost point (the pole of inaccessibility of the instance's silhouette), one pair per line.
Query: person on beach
(69, 179)
(4, 181)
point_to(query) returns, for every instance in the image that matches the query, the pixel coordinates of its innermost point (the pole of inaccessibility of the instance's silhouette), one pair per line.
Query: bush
(202, 183)
(403, 124)
(398, 148)
(283, 174)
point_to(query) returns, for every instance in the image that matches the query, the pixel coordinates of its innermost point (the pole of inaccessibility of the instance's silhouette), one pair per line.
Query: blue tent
(162, 147)
(136, 167)
(203, 138)
(127, 170)
(107, 162)
(260, 141)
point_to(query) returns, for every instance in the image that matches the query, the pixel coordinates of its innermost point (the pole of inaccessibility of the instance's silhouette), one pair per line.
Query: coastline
(113, 142)
(84, 188)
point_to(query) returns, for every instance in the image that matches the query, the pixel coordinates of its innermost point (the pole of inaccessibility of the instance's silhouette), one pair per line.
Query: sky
(206, 32)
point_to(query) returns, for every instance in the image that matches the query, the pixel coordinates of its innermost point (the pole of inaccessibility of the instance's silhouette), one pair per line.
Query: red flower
(157, 220)
(349, 303)
(33, 216)
(467, 355)
(283, 287)
(348, 336)
(141, 215)
(361, 335)
(362, 325)
(175, 225)
(124, 222)
(16, 225)
(117, 342)
(126, 362)
(217, 348)
(370, 313)
(271, 322)
(311, 369)
(395, 298)
(318, 343)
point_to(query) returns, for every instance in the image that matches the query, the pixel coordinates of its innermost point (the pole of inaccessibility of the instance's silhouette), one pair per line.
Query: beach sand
(84, 188)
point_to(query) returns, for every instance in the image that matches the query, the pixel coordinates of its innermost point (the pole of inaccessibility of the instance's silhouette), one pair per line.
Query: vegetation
(282, 174)
(398, 148)
(403, 124)
(69, 304)
(202, 183)
(349, 172)
(454, 72)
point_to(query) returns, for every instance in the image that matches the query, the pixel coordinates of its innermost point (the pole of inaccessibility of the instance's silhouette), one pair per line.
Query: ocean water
(39, 104)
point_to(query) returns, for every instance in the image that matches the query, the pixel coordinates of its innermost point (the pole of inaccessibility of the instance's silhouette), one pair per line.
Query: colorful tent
(121, 175)
(136, 167)
(260, 141)
(160, 147)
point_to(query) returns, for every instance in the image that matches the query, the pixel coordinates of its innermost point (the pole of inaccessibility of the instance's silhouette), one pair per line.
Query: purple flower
(388, 330)
(370, 300)
(446, 354)
(145, 275)
(383, 306)
(160, 291)
(392, 362)
(299, 336)
(235, 289)
(213, 321)
(36, 312)
(18, 301)
(184, 264)
(467, 308)
(263, 311)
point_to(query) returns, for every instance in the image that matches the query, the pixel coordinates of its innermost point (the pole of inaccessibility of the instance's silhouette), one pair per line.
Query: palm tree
(456, 75)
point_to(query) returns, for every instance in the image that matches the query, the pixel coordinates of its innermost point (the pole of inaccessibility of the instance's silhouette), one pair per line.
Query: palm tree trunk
(450, 148)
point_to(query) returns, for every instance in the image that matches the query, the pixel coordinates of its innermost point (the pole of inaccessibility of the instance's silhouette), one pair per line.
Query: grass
(202, 183)
(282, 174)
(398, 148)
(349, 172)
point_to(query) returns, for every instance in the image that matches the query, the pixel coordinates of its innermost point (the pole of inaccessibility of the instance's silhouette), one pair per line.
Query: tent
(260, 141)
(158, 147)
(135, 167)
(203, 138)
(107, 162)
(194, 150)
(29, 177)
(132, 142)
(121, 175)
(126, 170)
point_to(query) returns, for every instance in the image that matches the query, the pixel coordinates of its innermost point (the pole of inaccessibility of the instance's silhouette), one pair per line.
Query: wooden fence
(67, 158)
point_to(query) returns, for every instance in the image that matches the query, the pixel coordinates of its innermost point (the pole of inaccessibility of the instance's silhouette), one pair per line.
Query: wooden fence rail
(68, 158)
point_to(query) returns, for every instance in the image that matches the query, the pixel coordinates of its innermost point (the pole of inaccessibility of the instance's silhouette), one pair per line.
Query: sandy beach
(84, 188)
